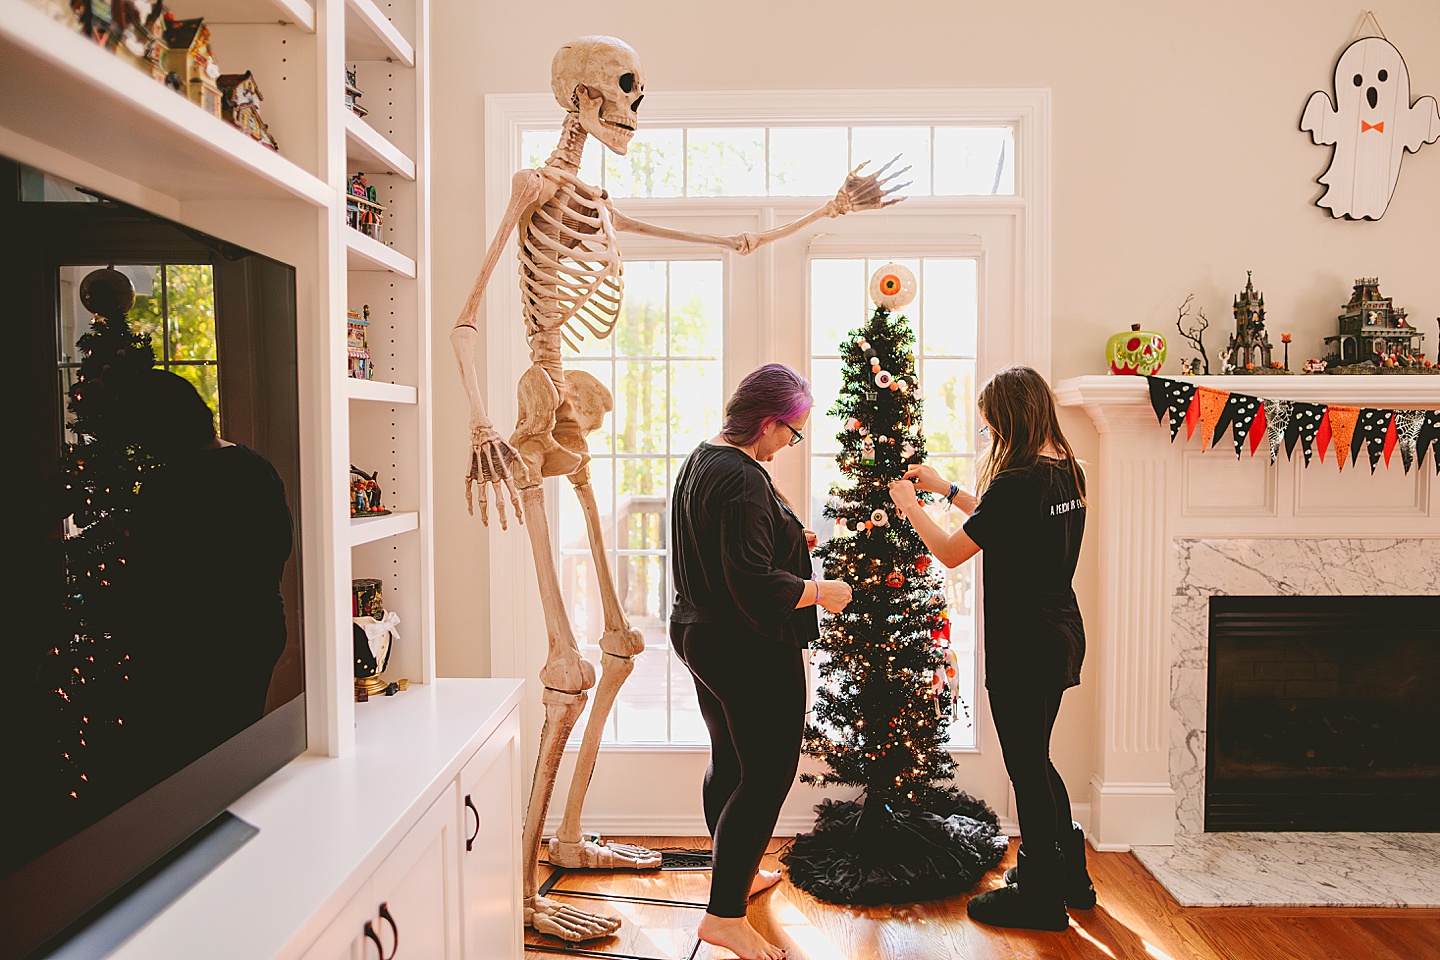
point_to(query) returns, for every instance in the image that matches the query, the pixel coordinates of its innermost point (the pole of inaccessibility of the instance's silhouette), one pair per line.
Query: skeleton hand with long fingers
(492, 463)
(871, 191)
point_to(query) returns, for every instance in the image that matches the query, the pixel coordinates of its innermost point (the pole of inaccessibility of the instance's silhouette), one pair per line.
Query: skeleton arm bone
(867, 192)
(491, 458)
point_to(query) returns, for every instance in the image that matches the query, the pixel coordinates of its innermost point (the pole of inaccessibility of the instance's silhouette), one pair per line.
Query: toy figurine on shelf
(1376, 336)
(189, 57)
(353, 94)
(361, 209)
(240, 99)
(357, 344)
(365, 494)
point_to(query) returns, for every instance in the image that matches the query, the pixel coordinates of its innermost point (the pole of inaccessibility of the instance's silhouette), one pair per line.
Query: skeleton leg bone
(566, 677)
(582, 409)
(620, 643)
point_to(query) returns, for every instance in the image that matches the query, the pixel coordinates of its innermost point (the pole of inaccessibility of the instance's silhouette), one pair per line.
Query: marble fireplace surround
(1173, 527)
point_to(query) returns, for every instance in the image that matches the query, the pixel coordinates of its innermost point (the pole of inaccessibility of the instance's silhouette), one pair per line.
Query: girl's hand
(902, 493)
(811, 539)
(833, 595)
(928, 478)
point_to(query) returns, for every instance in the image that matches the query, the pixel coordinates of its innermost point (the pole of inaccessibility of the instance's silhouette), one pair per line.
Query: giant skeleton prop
(570, 279)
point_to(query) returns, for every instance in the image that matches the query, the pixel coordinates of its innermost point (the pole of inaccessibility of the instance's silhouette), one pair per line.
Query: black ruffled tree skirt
(895, 854)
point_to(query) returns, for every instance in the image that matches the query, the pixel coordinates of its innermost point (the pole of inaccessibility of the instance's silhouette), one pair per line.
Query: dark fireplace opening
(1323, 714)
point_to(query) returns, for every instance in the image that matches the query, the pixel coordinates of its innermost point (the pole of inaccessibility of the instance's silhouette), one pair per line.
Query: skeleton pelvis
(555, 418)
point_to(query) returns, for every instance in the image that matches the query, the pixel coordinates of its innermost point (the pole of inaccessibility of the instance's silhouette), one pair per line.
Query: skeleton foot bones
(589, 855)
(564, 921)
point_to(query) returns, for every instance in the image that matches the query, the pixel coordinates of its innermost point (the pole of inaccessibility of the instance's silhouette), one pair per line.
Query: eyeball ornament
(892, 286)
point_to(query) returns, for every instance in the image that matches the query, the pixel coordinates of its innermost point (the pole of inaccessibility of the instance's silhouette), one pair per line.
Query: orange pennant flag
(1212, 404)
(1342, 428)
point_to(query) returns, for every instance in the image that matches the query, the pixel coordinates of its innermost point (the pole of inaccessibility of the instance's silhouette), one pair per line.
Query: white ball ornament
(908, 449)
(902, 386)
(892, 286)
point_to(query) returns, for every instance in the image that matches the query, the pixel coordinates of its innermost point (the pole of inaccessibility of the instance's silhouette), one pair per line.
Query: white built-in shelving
(75, 110)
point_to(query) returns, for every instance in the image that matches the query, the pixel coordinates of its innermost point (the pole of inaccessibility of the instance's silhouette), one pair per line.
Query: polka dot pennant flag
(1242, 411)
(1407, 431)
(1342, 420)
(1428, 435)
(1370, 432)
(1174, 397)
(1305, 420)
(1212, 408)
(1277, 421)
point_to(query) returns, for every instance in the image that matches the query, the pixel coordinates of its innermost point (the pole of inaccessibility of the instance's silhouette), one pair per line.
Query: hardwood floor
(1135, 918)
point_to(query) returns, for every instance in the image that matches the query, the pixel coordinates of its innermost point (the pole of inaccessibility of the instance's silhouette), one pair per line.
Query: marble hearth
(1173, 527)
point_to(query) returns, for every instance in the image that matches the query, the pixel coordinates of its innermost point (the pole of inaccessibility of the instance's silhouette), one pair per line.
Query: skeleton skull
(601, 78)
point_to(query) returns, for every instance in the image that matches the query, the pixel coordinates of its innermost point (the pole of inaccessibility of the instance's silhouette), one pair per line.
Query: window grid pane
(946, 376)
(662, 364)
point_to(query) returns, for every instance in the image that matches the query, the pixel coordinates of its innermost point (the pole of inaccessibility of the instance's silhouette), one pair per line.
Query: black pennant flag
(1407, 431)
(1178, 395)
(1429, 434)
(1233, 402)
(1304, 423)
(1158, 397)
(1370, 433)
(1244, 410)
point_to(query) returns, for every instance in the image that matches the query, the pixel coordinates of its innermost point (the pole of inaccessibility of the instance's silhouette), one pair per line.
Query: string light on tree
(875, 716)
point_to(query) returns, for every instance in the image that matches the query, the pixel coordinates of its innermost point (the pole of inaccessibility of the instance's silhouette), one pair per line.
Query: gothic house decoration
(1249, 347)
(1374, 331)
(240, 98)
(571, 280)
(1371, 124)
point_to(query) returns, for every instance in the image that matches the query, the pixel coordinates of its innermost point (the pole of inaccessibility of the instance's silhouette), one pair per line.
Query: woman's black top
(738, 551)
(1029, 523)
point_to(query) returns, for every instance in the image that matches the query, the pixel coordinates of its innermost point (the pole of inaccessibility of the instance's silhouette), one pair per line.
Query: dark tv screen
(157, 669)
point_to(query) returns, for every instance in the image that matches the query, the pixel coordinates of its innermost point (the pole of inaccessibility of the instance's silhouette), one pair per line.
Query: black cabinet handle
(470, 840)
(394, 931)
(371, 935)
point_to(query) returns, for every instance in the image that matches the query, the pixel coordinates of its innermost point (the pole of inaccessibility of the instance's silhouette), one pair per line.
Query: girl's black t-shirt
(738, 552)
(1029, 523)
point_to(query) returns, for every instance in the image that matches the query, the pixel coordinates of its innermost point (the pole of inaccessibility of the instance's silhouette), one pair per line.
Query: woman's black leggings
(1023, 720)
(752, 697)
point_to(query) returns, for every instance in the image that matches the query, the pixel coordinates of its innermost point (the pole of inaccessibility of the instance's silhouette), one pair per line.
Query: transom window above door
(793, 161)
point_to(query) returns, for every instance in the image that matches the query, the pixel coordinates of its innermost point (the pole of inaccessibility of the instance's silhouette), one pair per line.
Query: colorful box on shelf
(357, 344)
(361, 209)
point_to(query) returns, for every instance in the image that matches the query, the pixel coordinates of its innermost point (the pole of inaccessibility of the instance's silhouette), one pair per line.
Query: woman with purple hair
(744, 611)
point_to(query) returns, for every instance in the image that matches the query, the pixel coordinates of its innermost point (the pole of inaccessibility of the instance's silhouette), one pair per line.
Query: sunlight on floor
(666, 940)
(805, 935)
(1086, 934)
(1155, 951)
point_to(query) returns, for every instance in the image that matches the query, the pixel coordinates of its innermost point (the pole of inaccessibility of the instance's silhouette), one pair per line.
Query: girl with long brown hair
(1028, 517)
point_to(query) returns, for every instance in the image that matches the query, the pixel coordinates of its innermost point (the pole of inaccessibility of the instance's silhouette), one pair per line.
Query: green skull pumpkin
(1136, 351)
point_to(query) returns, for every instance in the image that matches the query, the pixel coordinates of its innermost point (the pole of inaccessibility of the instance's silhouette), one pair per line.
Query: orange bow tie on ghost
(1377, 127)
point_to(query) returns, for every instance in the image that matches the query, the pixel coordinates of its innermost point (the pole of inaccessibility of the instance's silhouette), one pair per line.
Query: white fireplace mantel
(1147, 491)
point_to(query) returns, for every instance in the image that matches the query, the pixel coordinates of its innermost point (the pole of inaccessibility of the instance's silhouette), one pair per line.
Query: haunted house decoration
(1374, 331)
(1249, 348)
(188, 56)
(353, 94)
(361, 209)
(240, 99)
(357, 344)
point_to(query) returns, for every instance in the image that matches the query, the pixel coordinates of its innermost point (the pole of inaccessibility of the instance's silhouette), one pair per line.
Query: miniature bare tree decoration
(1196, 333)
(571, 285)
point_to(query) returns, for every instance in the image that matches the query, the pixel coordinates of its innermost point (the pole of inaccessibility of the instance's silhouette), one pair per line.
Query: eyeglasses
(798, 435)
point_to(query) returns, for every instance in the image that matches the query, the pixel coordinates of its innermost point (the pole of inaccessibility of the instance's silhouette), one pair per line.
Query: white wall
(1178, 165)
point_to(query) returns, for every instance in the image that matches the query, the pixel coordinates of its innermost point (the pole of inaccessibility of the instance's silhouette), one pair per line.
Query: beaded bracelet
(950, 497)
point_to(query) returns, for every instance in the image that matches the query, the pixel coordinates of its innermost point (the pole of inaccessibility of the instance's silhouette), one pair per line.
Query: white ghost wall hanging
(1371, 124)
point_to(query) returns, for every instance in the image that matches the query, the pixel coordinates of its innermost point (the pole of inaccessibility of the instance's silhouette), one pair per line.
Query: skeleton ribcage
(570, 268)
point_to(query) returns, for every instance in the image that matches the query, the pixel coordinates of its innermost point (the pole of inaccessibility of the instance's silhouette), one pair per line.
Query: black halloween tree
(881, 718)
(101, 468)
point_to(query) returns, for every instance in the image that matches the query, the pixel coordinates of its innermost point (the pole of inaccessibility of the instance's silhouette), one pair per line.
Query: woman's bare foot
(736, 934)
(764, 880)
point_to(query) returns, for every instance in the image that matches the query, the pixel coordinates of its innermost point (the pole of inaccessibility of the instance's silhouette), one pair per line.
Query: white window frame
(517, 626)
